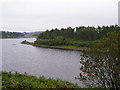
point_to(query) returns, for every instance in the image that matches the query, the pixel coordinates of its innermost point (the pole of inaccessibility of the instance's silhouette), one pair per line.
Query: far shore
(17, 37)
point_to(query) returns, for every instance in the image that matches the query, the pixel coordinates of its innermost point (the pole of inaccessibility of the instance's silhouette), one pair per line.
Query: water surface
(54, 63)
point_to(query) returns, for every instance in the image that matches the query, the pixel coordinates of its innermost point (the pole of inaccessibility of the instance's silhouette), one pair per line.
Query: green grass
(69, 47)
(65, 44)
(24, 81)
(69, 44)
(65, 47)
(0, 80)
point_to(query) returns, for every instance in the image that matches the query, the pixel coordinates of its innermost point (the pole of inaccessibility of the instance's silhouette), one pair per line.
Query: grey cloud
(28, 16)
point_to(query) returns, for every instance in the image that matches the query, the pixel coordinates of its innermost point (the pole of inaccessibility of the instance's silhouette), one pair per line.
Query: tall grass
(24, 81)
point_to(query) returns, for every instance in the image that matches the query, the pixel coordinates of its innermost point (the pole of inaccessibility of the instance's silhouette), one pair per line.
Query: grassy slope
(65, 47)
(70, 44)
(25, 81)
(0, 80)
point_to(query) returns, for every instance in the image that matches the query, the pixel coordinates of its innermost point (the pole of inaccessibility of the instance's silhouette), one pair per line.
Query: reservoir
(36, 61)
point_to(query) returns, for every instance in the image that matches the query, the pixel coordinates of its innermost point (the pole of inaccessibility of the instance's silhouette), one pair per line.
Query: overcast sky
(39, 15)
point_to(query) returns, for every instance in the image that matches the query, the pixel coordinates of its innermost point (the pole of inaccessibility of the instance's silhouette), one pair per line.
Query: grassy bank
(64, 47)
(0, 80)
(24, 81)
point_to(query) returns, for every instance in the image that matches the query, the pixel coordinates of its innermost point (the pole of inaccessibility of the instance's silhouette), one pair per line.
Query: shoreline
(82, 49)
(73, 48)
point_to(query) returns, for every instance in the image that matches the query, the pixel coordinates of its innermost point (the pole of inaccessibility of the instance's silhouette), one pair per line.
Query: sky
(40, 15)
(119, 14)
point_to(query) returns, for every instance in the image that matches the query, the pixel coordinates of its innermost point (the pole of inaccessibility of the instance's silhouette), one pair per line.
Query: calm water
(54, 63)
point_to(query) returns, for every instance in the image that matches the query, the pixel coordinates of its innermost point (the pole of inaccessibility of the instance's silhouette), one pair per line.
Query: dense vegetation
(101, 63)
(79, 36)
(24, 81)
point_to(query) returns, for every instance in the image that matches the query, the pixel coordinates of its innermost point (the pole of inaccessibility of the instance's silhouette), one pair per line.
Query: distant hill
(7, 34)
(32, 34)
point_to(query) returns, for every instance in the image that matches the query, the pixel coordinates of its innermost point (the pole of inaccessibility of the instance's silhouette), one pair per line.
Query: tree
(101, 64)
(6, 34)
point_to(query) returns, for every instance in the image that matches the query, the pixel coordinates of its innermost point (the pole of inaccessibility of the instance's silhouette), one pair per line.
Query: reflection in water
(37, 61)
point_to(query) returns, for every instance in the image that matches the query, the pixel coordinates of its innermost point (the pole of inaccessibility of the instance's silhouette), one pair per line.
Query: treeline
(79, 33)
(6, 34)
(80, 36)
